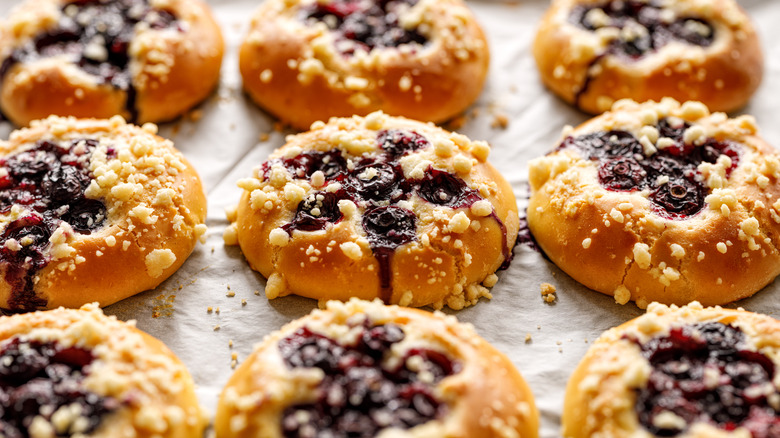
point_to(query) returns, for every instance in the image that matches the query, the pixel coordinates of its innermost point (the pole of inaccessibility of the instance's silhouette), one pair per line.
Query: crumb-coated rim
(723, 75)
(454, 249)
(600, 393)
(162, 66)
(155, 206)
(435, 82)
(156, 390)
(487, 384)
(612, 242)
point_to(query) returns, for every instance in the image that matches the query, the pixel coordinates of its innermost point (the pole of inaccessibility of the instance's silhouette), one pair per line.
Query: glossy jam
(360, 394)
(644, 26)
(367, 24)
(39, 378)
(48, 181)
(96, 36)
(376, 183)
(705, 373)
(670, 175)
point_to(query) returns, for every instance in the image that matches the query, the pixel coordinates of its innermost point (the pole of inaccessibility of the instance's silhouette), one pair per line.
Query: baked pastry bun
(592, 53)
(364, 369)
(377, 207)
(661, 202)
(78, 373)
(146, 60)
(688, 372)
(307, 60)
(92, 210)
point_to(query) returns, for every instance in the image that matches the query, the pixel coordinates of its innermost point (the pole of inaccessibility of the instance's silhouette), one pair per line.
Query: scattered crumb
(230, 343)
(264, 136)
(209, 309)
(558, 342)
(538, 327)
(216, 327)
(257, 292)
(548, 292)
(163, 306)
(500, 120)
(243, 301)
(217, 310)
(233, 364)
(528, 338)
(230, 294)
(234, 355)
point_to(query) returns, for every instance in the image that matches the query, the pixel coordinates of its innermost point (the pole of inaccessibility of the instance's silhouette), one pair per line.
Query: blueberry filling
(644, 26)
(48, 181)
(376, 183)
(368, 24)
(37, 379)
(361, 394)
(671, 175)
(95, 35)
(705, 372)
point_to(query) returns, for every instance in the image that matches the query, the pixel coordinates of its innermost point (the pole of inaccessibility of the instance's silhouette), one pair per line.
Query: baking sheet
(228, 135)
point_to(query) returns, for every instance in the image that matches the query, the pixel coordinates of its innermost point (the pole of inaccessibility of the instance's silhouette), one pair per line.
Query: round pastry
(592, 53)
(362, 369)
(379, 207)
(688, 372)
(661, 202)
(92, 210)
(78, 373)
(309, 60)
(146, 60)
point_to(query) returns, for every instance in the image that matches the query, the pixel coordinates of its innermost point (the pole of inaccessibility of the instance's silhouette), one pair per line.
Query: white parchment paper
(233, 136)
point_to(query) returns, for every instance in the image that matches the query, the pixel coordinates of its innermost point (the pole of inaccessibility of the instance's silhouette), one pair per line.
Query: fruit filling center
(361, 393)
(670, 175)
(364, 24)
(39, 189)
(43, 380)
(642, 27)
(705, 372)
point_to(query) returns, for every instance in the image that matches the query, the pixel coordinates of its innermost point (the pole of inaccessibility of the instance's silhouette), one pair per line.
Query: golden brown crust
(156, 390)
(171, 70)
(156, 209)
(488, 398)
(724, 75)
(612, 242)
(454, 249)
(295, 71)
(601, 393)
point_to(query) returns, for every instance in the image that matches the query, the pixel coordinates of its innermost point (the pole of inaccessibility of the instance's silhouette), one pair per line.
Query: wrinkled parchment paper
(232, 135)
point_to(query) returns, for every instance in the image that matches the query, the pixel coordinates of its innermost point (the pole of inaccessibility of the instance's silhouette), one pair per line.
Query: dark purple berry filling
(368, 23)
(442, 188)
(36, 379)
(645, 23)
(377, 184)
(705, 373)
(671, 174)
(649, 32)
(316, 211)
(96, 36)
(360, 395)
(49, 180)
